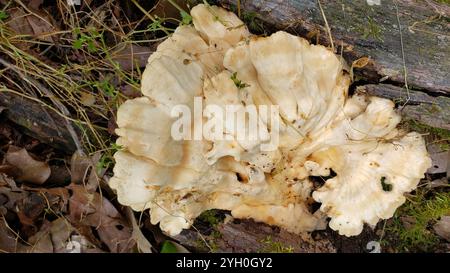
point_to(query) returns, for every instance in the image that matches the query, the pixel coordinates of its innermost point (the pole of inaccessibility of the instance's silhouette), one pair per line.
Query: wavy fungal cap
(321, 130)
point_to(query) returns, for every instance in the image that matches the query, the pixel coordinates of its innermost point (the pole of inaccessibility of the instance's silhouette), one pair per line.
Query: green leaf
(155, 25)
(91, 46)
(3, 15)
(239, 84)
(186, 18)
(168, 247)
(78, 44)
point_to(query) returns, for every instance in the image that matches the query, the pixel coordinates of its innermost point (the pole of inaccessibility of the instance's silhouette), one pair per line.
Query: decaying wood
(433, 111)
(37, 121)
(247, 236)
(372, 31)
(421, 44)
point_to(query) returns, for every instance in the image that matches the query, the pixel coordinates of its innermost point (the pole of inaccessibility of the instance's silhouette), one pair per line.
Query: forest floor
(63, 62)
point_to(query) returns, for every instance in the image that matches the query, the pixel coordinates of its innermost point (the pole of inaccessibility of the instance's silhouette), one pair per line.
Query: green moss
(436, 135)
(271, 246)
(208, 244)
(444, 1)
(211, 217)
(252, 20)
(370, 29)
(421, 214)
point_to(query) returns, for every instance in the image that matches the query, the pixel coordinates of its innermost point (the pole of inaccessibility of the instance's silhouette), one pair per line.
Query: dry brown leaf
(58, 236)
(8, 241)
(7, 181)
(164, 9)
(30, 208)
(79, 165)
(31, 170)
(440, 162)
(142, 244)
(91, 209)
(10, 170)
(83, 166)
(37, 24)
(361, 62)
(35, 4)
(87, 99)
(442, 228)
(131, 57)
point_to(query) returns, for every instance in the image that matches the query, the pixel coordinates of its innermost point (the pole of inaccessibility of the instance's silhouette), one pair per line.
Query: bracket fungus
(321, 130)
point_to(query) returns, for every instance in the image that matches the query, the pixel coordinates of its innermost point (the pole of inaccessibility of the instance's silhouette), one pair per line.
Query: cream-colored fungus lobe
(321, 129)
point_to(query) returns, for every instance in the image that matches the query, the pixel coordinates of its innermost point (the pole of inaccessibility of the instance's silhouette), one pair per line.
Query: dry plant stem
(326, 25)
(51, 96)
(148, 15)
(405, 71)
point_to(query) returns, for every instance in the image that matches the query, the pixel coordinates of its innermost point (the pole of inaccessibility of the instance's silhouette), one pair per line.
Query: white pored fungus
(321, 130)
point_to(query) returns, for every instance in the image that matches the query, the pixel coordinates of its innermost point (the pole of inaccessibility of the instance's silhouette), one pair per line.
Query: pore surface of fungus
(322, 131)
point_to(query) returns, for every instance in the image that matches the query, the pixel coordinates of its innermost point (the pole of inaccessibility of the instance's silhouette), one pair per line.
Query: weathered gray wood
(372, 31)
(37, 121)
(433, 111)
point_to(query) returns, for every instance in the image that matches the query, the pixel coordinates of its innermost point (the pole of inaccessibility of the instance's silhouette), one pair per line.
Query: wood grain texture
(360, 30)
(37, 121)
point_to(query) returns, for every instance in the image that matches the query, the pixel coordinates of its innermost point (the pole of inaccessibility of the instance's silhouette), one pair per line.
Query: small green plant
(186, 18)
(421, 213)
(239, 84)
(274, 247)
(107, 159)
(88, 40)
(155, 25)
(107, 88)
(3, 15)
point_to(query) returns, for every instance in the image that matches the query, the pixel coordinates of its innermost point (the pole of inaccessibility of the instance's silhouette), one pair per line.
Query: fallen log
(360, 30)
(37, 121)
(433, 111)
(247, 236)
(407, 43)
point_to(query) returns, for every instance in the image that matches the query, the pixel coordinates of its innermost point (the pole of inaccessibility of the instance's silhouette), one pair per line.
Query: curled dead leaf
(130, 57)
(142, 244)
(87, 99)
(442, 228)
(93, 210)
(58, 236)
(8, 242)
(82, 167)
(37, 24)
(361, 62)
(31, 170)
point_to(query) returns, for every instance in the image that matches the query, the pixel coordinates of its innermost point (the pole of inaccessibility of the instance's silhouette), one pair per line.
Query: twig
(239, 8)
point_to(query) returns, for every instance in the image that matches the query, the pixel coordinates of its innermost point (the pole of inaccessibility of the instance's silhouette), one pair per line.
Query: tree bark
(37, 121)
(407, 42)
